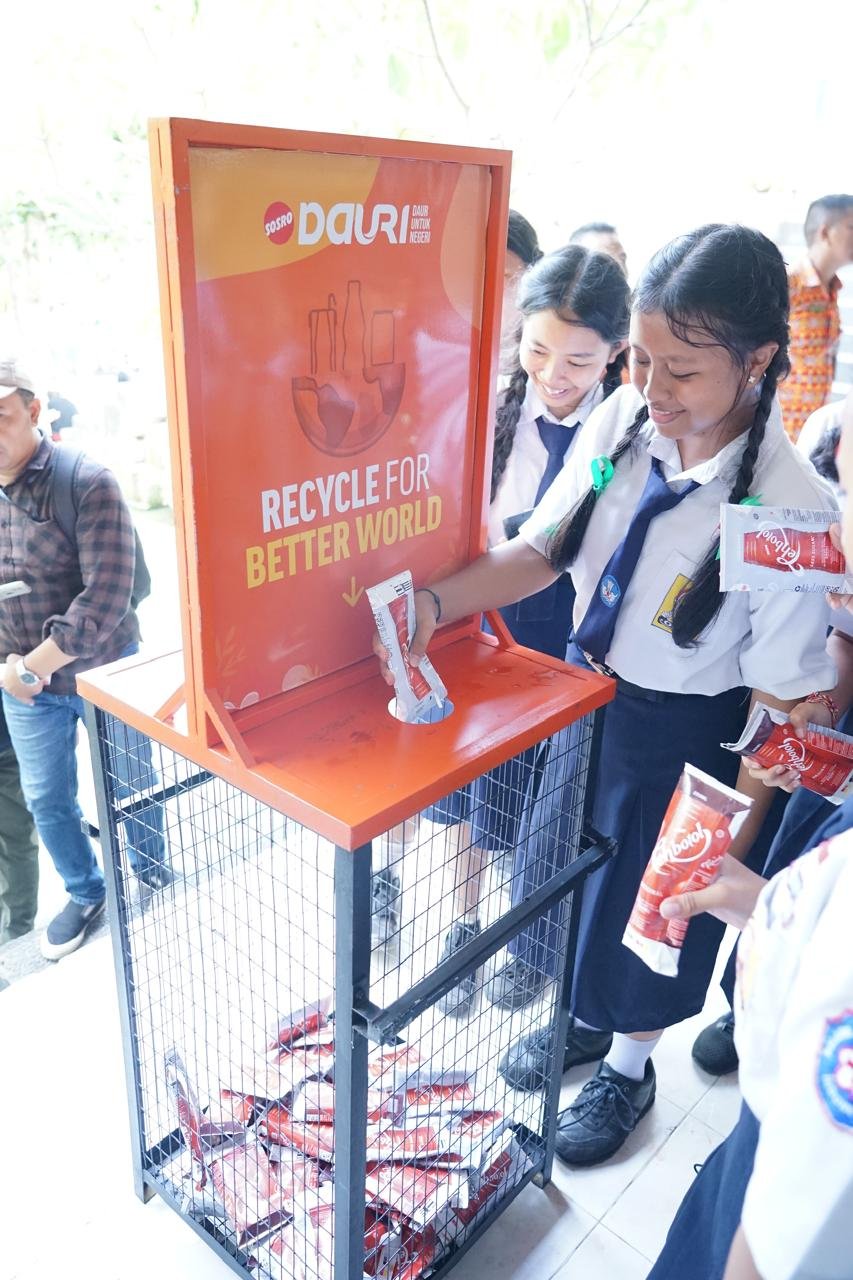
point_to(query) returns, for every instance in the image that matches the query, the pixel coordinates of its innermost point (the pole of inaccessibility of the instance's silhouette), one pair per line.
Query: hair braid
(566, 542)
(612, 379)
(697, 607)
(506, 422)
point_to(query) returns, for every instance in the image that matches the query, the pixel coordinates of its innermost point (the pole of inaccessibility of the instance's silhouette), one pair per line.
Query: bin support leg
(561, 1022)
(118, 916)
(352, 985)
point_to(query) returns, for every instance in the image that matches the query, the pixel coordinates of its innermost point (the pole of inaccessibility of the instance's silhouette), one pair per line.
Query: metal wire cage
(318, 1041)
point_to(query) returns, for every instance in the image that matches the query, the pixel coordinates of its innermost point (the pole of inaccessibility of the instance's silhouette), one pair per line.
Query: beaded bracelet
(436, 600)
(826, 700)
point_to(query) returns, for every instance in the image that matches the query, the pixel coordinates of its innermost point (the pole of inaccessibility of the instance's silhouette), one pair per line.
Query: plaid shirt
(815, 331)
(79, 596)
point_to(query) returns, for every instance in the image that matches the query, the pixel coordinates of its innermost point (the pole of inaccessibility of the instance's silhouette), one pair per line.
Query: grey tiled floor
(65, 1180)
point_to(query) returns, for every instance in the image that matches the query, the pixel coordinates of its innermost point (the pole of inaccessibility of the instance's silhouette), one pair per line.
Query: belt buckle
(601, 667)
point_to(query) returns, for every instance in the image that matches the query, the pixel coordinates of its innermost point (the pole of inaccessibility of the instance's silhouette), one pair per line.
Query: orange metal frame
(328, 753)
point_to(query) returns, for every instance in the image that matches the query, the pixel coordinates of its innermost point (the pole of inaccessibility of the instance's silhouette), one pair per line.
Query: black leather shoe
(606, 1110)
(155, 874)
(458, 1001)
(527, 1063)
(714, 1048)
(515, 985)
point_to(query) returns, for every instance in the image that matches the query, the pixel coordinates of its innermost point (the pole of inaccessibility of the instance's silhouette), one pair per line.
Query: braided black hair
(729, 284)
(584, 288)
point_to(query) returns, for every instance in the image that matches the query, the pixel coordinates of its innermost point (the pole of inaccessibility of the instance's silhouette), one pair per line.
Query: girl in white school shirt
(708, 344)
(569, 357)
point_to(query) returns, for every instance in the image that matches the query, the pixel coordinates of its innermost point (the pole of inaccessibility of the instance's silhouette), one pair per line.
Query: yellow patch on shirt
(663, 614)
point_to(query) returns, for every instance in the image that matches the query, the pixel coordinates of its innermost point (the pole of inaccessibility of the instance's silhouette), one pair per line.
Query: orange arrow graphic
(354, 594)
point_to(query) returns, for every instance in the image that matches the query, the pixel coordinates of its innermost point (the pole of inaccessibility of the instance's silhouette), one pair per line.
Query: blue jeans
(44, 736)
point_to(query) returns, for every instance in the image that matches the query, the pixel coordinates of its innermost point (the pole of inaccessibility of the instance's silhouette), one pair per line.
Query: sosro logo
(688, 846)
(278, 222)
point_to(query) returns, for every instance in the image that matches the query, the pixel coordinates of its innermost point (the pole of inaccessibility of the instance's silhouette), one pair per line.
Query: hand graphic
(355, 389)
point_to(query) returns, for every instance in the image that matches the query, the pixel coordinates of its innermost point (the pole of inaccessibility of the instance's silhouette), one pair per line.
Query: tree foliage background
(656, 114)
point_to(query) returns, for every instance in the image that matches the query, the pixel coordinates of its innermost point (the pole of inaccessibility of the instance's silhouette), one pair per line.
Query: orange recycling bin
(316, 1059)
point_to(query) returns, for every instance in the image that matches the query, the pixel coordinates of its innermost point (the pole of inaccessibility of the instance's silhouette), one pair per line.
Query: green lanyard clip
(602, 473)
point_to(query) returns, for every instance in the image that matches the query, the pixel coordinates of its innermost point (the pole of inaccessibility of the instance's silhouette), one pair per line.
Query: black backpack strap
(66, 464)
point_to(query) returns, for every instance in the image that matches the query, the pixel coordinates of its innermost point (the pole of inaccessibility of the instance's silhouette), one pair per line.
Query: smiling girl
(699, 427)
(569, 356)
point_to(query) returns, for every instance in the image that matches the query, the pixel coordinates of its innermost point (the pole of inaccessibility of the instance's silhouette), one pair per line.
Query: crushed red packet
(306, 1024)
(314, 1102)
(251, 1192)
(200, 1134)
(504, 1165)
(304, 1250)
(823, 758)
(419, 1194)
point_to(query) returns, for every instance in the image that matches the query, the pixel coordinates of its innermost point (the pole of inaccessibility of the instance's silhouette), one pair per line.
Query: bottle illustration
(792, 550)
(355, 384)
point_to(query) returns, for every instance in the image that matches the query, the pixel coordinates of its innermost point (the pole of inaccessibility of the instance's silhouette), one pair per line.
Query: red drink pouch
(418, 690)
(823, 759)
(779, 549)
(702, 820)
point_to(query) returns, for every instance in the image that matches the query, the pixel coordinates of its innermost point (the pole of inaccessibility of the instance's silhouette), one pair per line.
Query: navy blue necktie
(556, 438)
(595, 634)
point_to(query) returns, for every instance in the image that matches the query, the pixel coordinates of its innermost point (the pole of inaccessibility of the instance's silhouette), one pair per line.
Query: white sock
(629, 1056)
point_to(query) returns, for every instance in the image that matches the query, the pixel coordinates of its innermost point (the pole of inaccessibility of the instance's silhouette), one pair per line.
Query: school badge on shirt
(835, 1069)
(664, 612)
(609, 590)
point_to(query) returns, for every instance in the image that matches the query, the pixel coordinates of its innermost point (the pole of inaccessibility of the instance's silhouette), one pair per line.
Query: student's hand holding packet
(425, 626)
(780, 775)
(731, 898)
(418, 688)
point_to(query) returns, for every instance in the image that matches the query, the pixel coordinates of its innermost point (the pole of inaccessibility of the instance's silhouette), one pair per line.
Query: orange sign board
(330, 310)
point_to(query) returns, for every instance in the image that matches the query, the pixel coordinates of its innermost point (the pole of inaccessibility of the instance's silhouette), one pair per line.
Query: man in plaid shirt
(76, 614)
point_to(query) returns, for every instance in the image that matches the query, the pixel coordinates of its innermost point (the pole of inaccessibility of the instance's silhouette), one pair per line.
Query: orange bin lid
(341, 764)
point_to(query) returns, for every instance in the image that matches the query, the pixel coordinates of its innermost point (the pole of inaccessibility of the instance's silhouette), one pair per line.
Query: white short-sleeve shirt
(772, 641)
(794, 1036)
(528, 458)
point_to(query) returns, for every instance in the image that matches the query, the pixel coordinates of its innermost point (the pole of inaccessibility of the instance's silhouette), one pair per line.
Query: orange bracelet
(829, 702)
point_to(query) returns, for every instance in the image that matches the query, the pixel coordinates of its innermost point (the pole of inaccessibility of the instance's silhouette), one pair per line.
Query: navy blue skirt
(645, 745)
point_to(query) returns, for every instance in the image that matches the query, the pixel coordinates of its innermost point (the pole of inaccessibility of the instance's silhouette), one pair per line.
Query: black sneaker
(527, 1063)
(66, 931)
(608, 1108)
(714, 1048)
(385, 907)
(155, 874)
(515, 985)
(457, 1002)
